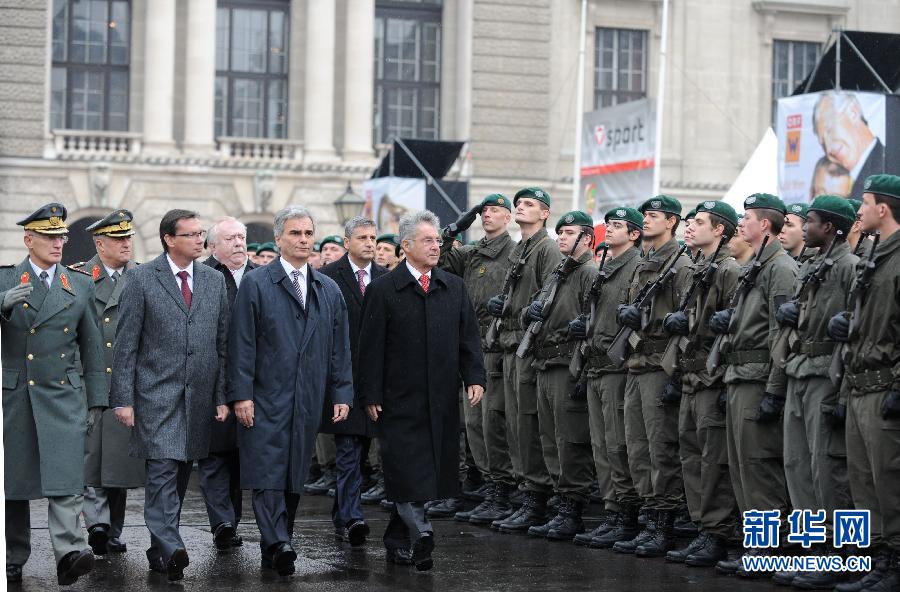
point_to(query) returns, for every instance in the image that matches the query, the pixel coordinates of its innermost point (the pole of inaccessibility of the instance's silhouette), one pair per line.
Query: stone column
(318, 117)
(360, 80)
(159, 75)
(200, 75)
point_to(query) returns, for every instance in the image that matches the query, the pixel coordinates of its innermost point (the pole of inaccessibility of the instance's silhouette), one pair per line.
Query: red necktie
(361, 277)
(185, 289)
(423, 279)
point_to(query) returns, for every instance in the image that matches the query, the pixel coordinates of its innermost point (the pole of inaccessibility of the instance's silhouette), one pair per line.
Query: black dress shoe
(283, 557)
(175, 567)
(156, 562)
(386, 505)
(223, 535)
(357, 531)
(445, 509)
(399, 556)
(374, 494)
(421, 551)
(236, 541)
(98, 536)
(114, 545)
(13, 573)
(73, 566)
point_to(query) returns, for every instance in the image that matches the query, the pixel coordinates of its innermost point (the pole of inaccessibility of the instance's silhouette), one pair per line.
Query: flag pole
(579, 111)
(660, 97)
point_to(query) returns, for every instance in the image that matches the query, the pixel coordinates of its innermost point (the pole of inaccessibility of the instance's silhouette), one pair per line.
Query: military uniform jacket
(753, 333)
(552, 346)
(872, 358)
(45, 396)
(614, 292)
(482, 268)
(811, 356)
(542, 257)
(693, 357)
(106, 460)
(653, 339)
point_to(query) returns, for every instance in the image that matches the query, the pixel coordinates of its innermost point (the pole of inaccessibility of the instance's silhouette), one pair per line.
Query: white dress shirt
(238, 274)
(175, 271)
(51, 273)
(416, 273)
(304, 271)
(110, 271)
(367, 277)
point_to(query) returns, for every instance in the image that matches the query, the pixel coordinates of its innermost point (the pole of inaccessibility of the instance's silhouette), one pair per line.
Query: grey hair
(409, 223)
(212, 237)
(289, 213)
(357, 222)
(840, 100)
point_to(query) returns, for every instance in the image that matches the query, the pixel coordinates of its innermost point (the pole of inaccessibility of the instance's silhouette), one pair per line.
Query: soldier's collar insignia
(64, 280)
(95, 272)
(24, 279)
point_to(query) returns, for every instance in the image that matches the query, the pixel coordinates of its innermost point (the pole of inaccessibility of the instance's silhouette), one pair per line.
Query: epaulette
(79, 264)
(6, 266)
(74, 268)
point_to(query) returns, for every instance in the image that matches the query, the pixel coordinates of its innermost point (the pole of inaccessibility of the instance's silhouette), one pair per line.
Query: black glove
(769, 408)
(495, 305)
(671, 394)
(464, 222)
(890, 409)
(676, 323)
(837, 416)
(720, 321)
(788, 314)
(578, 328)
(722, 401)
(629, 316)
(535, 311)
(580, 392)
(839, 327)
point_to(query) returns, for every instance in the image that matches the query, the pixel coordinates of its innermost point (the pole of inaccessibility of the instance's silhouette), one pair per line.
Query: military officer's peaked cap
(720, 209)
(661, 203)
(764, 201)
(533, 193)
(625, 214)
(575, 218)
(497, 199)
(48, 219)
(798, 209)
(387, 238)
(888, 185)
(834, 204)
(116, 224)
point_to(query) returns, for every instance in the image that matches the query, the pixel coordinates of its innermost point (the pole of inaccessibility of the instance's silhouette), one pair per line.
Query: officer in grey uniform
(47, 318)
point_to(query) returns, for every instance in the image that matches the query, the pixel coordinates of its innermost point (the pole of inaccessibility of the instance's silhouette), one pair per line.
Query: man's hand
(720, 321)
(839, 327)
(373, 411)
(629, 316)
(125, 415)
(94, 414)
(221, 413)
(535, 312)
(722, 401)
(580, 391)
(788, 314)
(676, 323)
(671, 394)
(14, 296)
(578, 327)
(243, 410)
(495, 305)
(475, 393)
(890, 409)
(341, 411)
(770, 407)
(837, 416)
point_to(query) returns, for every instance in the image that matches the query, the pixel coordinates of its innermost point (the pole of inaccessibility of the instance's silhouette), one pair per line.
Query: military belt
(653, 346)
(869, 380)
(817, 348)
(562, 350)
(693, 364)
(748, 356)
(597, 359)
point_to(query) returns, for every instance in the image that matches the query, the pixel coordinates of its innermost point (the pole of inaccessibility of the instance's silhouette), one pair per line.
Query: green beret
(317, 247)
(574, 218)
(625, 214)
(888, 185)
(332, 238)
(599, 248)
(661, 203)
(798, 209)
(387, 238)
(534, 193)
(498, 199)
(691, 214)
(720, 209)
(834, 204)
(263, 247)
(251, 247)
(765, 201)
(458, 237)
(856, 205)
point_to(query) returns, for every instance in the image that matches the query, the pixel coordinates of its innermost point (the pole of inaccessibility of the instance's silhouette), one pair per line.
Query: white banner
(388, 198)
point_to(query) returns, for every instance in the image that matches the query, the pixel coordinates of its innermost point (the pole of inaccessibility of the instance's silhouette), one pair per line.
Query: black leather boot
(642, 537)
(679, 555)
(571, 524)
(684, 526)
(497, 508)
(446, 508)
(532, 513)
(881, 566)
(607, 523)
(463, 516)
(663, 537)
(712, 551)
(541, 530)
(625, 529)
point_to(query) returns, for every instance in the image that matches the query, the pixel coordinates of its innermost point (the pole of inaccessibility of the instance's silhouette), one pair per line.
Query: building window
(407, 70)
(620, 66)
(91, 55)
(251, 68)
(792, 61)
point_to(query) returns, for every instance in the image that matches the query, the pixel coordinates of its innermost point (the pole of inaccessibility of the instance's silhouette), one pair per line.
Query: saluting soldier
(815, 463)
(109, 471)
(651, 396)
(562, 409)
(541, 256)
(606, 383)
(48, 318)
(871, 384)
(482, 267)
(755, 389)
(701, 418)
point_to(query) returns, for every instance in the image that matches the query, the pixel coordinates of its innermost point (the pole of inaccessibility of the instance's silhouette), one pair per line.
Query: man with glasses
(47, 317)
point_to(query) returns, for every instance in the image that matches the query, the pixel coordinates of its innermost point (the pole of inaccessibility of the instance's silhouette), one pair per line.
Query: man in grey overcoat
(169, 382)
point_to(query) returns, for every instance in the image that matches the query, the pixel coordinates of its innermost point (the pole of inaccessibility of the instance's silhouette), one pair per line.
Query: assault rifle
(589, 309)
(513, 275)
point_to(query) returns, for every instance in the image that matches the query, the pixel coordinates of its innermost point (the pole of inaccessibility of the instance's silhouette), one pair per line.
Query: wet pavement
(466, 558)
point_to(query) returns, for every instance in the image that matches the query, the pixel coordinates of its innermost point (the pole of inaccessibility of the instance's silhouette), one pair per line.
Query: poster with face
(829, 142)
(388, 198)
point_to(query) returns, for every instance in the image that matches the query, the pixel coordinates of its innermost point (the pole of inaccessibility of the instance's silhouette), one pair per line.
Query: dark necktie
(185, 288)
(361, 277)
(44, 278)
(423, 279)
(115, 276)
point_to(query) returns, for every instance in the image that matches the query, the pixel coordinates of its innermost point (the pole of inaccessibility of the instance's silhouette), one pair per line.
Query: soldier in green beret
(791, 236)
(47, 317)
(815, 463)
(332, 248)
(315, 256)
(109, 471)
(606, 383)
(755, 387)
(859, 241)
(251, 252)
(386, 250)
(740, 248)
(688, 224)
(529, 266)
(701, 422)
(870, 386)
(266, 253)
(651, 396)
